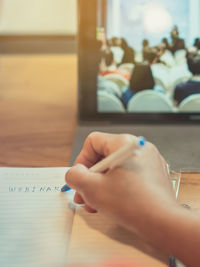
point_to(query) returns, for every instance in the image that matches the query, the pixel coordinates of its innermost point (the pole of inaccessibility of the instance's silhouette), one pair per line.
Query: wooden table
(38, 115)
(37, 109)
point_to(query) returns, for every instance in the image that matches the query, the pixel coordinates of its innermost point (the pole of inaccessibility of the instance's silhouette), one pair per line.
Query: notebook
(40, 226)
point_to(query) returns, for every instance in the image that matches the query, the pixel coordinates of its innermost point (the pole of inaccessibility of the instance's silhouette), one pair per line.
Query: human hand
(134, 193)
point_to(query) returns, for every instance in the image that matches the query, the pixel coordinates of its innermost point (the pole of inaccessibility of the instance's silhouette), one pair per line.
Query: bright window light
(157, 19)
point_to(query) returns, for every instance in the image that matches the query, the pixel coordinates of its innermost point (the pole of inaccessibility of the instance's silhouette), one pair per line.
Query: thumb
(82, 180)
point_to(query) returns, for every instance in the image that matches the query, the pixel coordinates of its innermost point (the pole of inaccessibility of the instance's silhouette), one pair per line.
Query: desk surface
(38, 115)
(37, 109)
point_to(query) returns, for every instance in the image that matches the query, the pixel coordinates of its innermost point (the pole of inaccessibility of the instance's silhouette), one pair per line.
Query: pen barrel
(116, 159)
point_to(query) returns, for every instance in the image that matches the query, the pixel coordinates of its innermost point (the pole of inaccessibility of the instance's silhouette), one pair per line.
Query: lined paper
(35, 218)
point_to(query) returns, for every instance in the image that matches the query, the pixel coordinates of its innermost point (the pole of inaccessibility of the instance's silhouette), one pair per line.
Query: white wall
(194, 20)
(38, 17)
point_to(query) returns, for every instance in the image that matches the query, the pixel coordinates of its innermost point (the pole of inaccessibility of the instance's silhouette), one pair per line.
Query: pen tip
(65, 188)
(142, 141)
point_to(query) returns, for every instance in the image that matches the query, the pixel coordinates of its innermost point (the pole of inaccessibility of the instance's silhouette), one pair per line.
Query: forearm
(184, 237)
(138, 195)
(177, 232)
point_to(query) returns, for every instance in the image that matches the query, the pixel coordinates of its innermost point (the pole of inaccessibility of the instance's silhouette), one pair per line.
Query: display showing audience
(168, 58)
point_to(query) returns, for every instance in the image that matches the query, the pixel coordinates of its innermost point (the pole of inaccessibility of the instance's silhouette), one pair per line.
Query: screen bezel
(87, 78)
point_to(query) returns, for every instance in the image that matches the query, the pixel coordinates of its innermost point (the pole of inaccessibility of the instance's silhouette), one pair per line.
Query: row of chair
(146, 101)
(166, 78)
(117, 79)
(127, 68)
(169, 78)
(172, 60)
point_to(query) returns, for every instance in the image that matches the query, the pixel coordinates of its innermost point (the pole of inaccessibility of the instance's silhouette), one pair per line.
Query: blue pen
(65, 188)
(116, 159)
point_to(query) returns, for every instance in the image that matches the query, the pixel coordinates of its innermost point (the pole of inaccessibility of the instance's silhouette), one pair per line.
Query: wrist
(164, 226)
(158, 223)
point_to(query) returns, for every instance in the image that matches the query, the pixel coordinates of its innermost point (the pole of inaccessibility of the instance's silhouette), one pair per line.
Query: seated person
(197, 43)
(117, 50)
(141, 79)
(192, 86)
(177, 42)
(175, 33)
(129, 53)
(145, 48)
(152, 55)
(165, 44)
(109, 66)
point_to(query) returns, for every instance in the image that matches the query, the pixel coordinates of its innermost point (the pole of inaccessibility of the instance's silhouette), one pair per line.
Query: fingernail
(79, 165)
(65, 188)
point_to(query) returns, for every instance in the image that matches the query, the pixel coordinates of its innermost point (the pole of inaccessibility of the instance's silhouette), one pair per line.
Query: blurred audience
(116, 52)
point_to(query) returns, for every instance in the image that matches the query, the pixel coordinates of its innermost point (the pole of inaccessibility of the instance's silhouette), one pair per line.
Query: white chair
(161, 75)
(190, 104)
(180, 56)
(108, 103)
(178, 74)
(158, 81)
(168, 58)
(150, 101)
(126, 67)
(110, 87)
(118, 53)
(161, 67)
(139, 57)
(118, 79)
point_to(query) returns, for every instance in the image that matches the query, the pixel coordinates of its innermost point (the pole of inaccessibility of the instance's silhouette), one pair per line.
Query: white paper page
(35, 217)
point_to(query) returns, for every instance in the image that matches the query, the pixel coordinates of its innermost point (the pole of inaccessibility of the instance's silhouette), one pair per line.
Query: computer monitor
(139, 61)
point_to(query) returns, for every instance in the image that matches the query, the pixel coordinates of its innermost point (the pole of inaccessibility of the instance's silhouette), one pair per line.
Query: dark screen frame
(87, 78)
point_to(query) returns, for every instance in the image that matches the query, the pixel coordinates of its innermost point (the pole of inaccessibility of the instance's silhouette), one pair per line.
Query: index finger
(99, 145)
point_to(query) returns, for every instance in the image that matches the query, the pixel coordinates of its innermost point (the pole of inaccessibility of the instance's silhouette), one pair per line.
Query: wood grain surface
(37, 109)
(189, 192)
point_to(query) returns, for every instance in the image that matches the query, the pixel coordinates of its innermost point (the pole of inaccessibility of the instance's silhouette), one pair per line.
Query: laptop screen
(149, 57)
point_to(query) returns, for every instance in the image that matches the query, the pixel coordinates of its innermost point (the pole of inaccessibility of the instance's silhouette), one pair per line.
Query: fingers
(79, 178)
(93, 149)
(78, 199)
(89, 209)
(99, 145)
(86, 183)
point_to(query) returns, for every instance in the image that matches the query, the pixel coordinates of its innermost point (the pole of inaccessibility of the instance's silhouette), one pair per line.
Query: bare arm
(149, 206)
